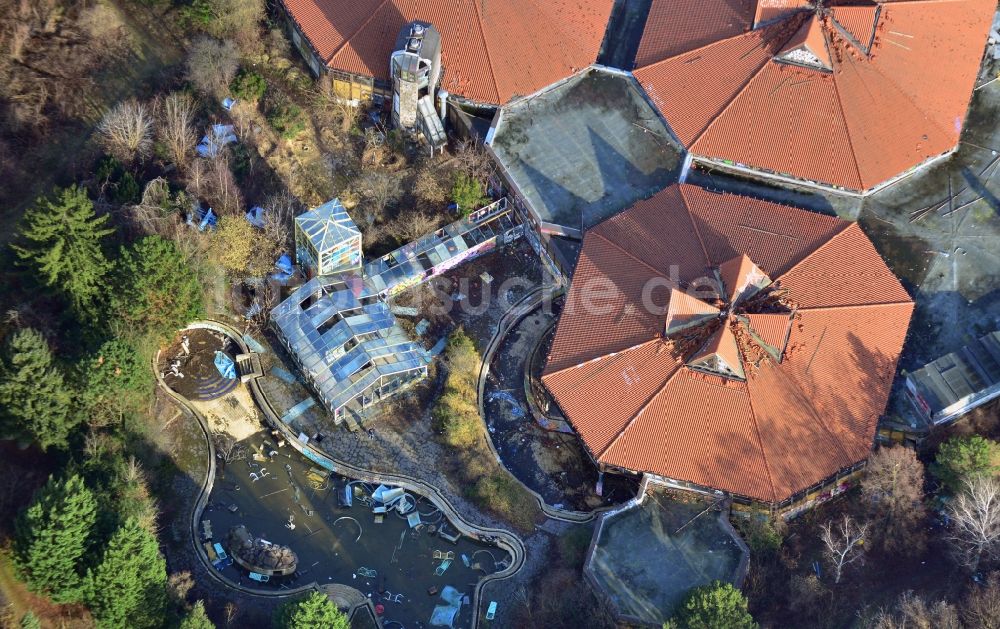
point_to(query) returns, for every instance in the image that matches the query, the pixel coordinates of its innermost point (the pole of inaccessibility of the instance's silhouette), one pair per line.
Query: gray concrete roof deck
(585, 149)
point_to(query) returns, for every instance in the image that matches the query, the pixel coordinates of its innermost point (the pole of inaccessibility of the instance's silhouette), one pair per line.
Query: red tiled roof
(648, 399)
(852, 116)
(492, 50)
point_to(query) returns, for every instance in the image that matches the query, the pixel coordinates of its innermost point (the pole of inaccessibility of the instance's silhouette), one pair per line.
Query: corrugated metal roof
(835, 318)
(491, 50)
(880, 111)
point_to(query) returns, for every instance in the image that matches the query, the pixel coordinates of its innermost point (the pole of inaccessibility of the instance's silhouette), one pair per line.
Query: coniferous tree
(35, 402)
(115, 380)
(315, 611)
(158, 290)
(63, 244)
(196, 618)
(51, 539)
(128, 586)
(712, 606)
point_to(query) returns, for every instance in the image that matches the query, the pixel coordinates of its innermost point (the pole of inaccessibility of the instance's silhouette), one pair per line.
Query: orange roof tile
(677, 26)
(720, 353)
(741, 278)
(811, 39)
(685, 311)
(655, 401)
(882, 88)
(491, 50)
(770, 10)
(858, 22)
(771, 329)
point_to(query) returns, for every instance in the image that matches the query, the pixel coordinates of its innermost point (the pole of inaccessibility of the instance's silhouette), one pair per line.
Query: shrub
(286, 119)
(456, 414)
(248, 85)
(467, 194)
(715, 605)
(500, 493)
(963, 458)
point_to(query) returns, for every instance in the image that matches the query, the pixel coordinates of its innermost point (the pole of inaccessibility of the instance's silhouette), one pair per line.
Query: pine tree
(159, 292)
(196, 618)
(115, 380)
(712, 606)
(63, 246)
(315, 611)
(128, 586)
(51, 539)
(35, 402)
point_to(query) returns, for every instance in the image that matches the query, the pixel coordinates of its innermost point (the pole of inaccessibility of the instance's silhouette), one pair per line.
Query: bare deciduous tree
(178, 586)
(231, 612)
(474, 161)
(238, 20)
(177, 131)
(981, 607)
(228, 448)
(212, 64)
(893, 484)
(380, 190)
(127, 131)
(844, 543)
(265, 297)
(212, 180)
(334, 110)
(975, 522)
(913, 612)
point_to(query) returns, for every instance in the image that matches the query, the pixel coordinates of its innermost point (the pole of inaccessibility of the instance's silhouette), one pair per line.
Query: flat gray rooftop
(586, 149)
(646, 558)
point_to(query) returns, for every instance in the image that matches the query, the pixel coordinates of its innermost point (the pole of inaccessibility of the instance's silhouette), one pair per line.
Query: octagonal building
(722, 343)
(840, 94)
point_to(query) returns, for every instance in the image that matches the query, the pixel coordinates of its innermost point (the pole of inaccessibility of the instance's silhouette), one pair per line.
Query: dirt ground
(554, 464)
(198, 378)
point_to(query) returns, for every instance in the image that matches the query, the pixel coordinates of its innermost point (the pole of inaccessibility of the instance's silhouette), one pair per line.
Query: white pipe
(443, 105)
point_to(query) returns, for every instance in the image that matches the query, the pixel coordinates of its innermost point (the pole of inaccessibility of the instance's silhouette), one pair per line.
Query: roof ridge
(595, 358)
(760, 443)
(712, 43)
(841, 307)
(659, 272)
(639, 412)
(694, 224)
(486, 46)
(825, 244)
(906, 95)
(843, 117)
(746, 84)
(363, 24)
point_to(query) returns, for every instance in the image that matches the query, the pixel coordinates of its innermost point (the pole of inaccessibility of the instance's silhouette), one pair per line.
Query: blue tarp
(255, 216)
(227, 103)
(213, 142)
(225, 365)
(285, 268)
(444, 615)
(208, 220)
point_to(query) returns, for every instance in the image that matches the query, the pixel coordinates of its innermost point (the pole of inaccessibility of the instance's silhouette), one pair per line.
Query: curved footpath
(502, 538)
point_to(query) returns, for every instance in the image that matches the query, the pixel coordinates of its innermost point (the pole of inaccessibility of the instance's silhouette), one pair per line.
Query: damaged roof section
(843, 94)
(763, 385)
